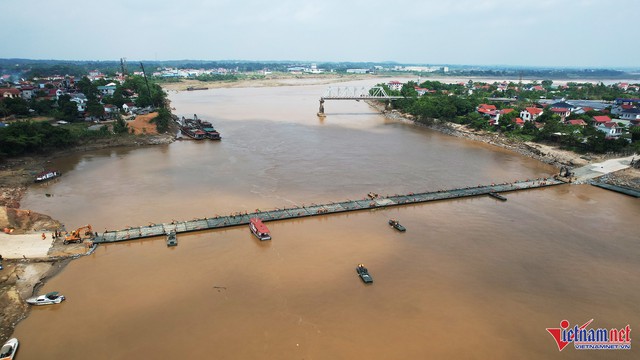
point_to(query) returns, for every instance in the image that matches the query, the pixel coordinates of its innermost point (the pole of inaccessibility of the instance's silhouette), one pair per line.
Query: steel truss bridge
(355, 93)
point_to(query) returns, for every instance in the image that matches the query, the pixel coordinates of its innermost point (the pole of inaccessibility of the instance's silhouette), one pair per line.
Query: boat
(192, 88)
(198, 129)
(212, 134)
(207, 127)
(172, 239)
(193, 132)
(497, 196)
(259, 229)
(363, 272)
(396, 225)
(47, 299)
(47, 175)
(9, 349)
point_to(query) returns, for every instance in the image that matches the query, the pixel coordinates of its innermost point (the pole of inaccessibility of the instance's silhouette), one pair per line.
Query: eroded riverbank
(21, 278)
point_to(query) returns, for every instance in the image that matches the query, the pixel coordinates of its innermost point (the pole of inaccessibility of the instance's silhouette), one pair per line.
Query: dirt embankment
(21, 278)
(628, 178)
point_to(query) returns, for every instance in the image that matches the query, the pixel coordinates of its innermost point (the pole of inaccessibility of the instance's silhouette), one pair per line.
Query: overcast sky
(581, 33)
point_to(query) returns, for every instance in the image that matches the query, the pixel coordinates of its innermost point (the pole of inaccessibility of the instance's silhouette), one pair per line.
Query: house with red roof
(601, 119)
(486, 109)
(110, 109)
(578, 122)
(518, 122)
(9, 93)
(421, 91)
(611, 129)
(562, 112)
(530, 113)
(395, 85)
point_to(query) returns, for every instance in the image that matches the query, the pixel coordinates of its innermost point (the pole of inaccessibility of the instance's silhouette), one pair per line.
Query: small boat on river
(172, 239)
(363, 272)
(396, 225)
(47, 175)
(9, 349)
(259, 229)
(497, 196)
(47, 299)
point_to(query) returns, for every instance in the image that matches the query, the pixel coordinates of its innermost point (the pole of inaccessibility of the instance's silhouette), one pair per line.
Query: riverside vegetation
(29, 136)
(452, 102)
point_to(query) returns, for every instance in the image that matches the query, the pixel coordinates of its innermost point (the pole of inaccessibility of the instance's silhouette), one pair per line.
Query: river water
(470, 279)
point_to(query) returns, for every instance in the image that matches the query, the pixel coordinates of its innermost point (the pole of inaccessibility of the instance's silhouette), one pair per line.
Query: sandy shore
(284, 79)
(274, 80)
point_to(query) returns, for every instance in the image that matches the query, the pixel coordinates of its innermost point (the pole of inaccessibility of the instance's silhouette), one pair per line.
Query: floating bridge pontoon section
(219, 222)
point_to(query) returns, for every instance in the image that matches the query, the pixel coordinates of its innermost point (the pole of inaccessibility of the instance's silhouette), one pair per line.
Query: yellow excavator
(78, 235)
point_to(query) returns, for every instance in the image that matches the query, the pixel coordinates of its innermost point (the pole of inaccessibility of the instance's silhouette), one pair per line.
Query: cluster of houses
(618, 116)
(169, 72)
(52, 88)
(622, 114)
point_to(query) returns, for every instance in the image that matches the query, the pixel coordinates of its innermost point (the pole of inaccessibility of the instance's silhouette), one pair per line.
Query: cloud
(523, 32)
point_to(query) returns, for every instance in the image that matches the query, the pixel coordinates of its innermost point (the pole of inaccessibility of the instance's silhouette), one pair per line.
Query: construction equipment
(78, 235)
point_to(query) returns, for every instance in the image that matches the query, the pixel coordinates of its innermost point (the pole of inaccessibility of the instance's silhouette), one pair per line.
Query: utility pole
(145, 81)
(123, 66)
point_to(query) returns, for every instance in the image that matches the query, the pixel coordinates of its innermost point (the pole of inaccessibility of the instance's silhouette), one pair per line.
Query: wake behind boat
(259, 229)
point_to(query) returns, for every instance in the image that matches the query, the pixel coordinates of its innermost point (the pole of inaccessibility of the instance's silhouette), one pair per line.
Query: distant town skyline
(535, 33)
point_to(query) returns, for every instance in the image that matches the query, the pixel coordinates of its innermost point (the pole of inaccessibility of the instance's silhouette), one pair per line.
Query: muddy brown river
(470, 279)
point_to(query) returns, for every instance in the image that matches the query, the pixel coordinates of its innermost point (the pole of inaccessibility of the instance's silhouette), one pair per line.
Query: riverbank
(548, 154)
(28, 259)
(19, 280)
(273, 80)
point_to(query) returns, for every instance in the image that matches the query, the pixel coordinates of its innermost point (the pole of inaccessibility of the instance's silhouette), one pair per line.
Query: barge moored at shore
(198, 129)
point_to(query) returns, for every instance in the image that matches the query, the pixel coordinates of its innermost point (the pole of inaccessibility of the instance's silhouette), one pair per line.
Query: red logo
(591, 339)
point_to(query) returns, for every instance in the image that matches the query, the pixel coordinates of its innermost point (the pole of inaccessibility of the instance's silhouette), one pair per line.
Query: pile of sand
(24, 221)
(142, 124)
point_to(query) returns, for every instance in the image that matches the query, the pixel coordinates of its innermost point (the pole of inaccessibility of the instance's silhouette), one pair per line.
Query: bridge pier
(387, 105)
(321, 110)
